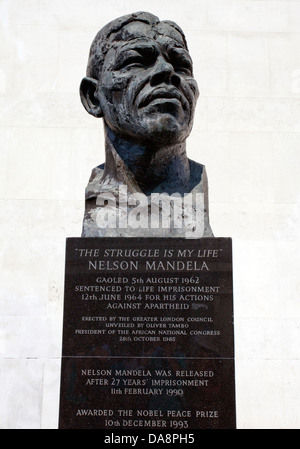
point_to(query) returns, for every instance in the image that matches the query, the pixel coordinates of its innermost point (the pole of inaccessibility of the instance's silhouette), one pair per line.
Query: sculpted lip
(172, 94)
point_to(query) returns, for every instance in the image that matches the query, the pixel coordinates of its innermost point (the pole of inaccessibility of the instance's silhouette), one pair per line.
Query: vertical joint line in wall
(42, 397)
(227, 62)
(269, 65)
(289, 16)
(206, 13)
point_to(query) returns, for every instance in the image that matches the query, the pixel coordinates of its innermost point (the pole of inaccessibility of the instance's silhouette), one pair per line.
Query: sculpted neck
(163, 169)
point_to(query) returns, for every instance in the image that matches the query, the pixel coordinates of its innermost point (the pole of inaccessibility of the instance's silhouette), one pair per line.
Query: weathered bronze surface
(140, 81)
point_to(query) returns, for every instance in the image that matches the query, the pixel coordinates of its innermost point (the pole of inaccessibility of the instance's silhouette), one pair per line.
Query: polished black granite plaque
(148, 338)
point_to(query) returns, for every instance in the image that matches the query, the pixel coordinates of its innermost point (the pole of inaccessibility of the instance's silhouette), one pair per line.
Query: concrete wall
(247, 63)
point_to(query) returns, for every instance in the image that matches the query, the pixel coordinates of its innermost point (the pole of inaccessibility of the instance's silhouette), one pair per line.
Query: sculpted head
(140, 80)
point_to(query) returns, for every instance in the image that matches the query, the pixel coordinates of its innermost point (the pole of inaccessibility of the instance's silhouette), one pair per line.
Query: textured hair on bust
(100, 44)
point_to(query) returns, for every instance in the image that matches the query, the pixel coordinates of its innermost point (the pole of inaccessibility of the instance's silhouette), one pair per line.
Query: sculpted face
(146, 88)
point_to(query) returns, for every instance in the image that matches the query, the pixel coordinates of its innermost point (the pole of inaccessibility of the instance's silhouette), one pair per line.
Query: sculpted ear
(88, 88)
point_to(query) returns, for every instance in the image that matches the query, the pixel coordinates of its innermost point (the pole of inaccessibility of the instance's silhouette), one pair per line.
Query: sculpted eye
(139, 57)
(181, 61)
(133, 61)
(183, 66)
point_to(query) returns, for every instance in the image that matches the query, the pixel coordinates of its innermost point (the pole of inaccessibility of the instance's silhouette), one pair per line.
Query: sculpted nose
(163, 72)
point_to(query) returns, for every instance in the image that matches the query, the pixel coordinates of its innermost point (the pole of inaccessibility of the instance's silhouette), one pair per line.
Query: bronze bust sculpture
(140, 81)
